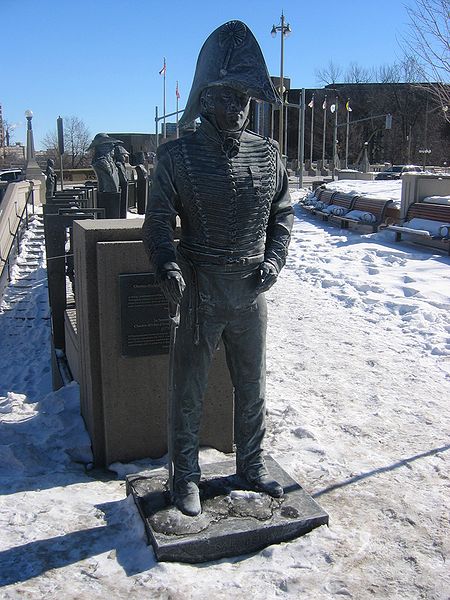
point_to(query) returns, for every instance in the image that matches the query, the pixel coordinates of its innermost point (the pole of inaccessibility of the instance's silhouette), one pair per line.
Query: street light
(365, 166)
(32, 169)
(424, 151)
(285, 29)
(30, 141)
(29, 116)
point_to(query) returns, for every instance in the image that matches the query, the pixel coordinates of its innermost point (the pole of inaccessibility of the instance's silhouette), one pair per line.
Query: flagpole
(285, 125)
(347, 106)
(164, 100)
(312, 133)
(324, 106)
(281, 124)
(301, 138)
(335, 135)
(178, 129)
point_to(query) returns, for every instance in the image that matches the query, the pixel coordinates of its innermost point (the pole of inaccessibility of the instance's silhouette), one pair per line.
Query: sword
(174, 316)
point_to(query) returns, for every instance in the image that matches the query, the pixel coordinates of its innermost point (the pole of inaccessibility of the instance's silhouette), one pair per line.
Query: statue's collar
(229, 141)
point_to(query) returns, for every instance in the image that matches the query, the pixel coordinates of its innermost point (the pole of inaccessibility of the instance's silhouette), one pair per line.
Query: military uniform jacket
(231, 196)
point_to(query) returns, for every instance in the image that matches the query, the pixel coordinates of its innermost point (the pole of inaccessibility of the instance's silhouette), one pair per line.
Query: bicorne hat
(231, 56)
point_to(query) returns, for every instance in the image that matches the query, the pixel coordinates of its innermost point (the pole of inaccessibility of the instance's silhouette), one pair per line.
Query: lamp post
(301, 138)
(30, 141)
(424, 152)
(32, 170)
(365, 165)
(285, 29)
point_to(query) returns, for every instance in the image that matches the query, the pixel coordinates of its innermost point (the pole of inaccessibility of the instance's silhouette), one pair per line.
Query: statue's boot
(187, 498)
(263, 483)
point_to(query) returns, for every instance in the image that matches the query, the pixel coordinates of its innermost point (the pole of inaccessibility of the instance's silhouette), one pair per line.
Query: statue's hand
(268, 275)
(172, 283)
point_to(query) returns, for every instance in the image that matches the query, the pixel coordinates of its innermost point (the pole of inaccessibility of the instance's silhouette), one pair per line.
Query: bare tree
(386, 74)
(357, 74)
(428, 38)
(329, 74)
(407, 70)
(8, 130)
(77, 138)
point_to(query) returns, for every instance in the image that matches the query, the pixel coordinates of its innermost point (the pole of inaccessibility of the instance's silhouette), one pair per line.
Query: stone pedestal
(233, 521)
(71, 339)
(124, 398)
(110, 201)
(56, 226)
(417, 186)
(141, 194)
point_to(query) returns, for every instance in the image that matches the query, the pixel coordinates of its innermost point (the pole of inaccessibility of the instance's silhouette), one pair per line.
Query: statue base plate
(233, 521)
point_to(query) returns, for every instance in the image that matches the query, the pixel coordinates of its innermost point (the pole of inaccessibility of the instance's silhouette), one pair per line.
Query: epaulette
(264, 137)
(172, 144)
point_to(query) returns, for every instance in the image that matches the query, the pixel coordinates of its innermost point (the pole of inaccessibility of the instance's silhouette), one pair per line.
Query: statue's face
(120, 154)
(105, 148)
(230, 108)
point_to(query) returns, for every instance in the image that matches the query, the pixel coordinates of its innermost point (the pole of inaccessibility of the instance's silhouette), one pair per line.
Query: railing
(15, 232)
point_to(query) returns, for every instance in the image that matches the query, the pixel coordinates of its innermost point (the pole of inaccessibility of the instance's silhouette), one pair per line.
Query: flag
(311, 104)
(324, 105)
(177, 93)
(333, 108)
(347, 106)
(163, 70)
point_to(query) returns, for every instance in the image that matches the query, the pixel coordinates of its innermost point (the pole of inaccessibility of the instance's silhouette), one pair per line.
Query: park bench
(341, 204)
(425, 221)
(367, 212)
(323, 196)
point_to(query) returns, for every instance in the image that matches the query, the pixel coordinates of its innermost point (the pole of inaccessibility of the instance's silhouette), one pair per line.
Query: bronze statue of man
(229, 188)
(50, 182)
(121, 157)
(103, 162)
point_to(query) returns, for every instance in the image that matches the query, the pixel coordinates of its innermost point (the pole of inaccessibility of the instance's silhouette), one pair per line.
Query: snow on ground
(358, 412)
(385, 190)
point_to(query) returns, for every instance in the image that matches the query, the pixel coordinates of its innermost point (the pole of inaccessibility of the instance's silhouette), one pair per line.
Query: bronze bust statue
(103, 162)
(142, 182)
(121, 156)
(229, 188)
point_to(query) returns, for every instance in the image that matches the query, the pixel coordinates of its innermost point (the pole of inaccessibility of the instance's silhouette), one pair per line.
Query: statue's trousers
(219, 303)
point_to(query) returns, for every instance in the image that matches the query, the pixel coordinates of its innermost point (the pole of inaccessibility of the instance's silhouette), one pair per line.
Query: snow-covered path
(24, 318)
(358, 390)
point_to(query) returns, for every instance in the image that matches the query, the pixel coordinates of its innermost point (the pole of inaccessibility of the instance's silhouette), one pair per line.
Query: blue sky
(99, 59)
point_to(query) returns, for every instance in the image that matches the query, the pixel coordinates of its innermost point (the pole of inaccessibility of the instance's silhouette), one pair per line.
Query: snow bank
(385, 190)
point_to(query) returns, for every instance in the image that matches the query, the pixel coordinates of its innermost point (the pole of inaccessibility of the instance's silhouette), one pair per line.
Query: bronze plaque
(145, 323)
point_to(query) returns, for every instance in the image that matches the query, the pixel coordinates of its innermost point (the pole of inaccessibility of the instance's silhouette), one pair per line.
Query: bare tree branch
(9, 130)
(77, 138)
(329, 74)
(357, 74)
(428, 39)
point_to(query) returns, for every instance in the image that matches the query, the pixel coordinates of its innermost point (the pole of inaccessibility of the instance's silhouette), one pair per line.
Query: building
(417, 123)
(137, 142)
